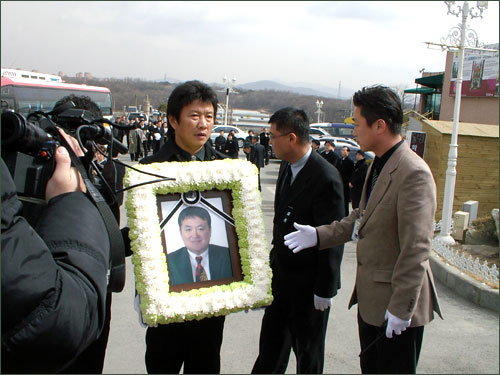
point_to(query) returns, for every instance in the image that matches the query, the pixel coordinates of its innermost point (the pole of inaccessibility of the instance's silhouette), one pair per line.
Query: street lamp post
(467, 38)
(319, 104)
(229, 83)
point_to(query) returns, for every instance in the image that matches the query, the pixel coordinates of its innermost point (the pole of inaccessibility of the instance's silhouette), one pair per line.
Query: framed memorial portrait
(198, 239)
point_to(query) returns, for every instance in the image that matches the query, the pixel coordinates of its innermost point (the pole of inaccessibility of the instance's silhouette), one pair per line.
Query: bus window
(30, 99)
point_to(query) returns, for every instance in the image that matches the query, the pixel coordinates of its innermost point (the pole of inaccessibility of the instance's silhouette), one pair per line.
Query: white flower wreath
(159, 305)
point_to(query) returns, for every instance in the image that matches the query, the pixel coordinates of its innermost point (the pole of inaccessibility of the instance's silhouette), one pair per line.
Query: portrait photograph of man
(197, 246)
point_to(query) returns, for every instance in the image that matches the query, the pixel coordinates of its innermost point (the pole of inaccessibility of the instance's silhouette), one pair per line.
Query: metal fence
(466, 262)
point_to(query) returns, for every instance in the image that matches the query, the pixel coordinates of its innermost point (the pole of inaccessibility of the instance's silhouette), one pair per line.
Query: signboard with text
(480, 73)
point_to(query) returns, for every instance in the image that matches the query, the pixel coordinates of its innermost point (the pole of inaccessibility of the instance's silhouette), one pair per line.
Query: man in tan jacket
(393, 227)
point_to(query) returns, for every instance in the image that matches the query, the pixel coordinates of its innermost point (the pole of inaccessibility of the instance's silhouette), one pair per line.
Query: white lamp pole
(229, 83)
(468, 38)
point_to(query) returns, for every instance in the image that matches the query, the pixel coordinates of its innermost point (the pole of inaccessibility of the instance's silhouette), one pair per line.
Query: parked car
(369, 156)
(239, 134)
(351, 143)
(133, 115)
(318, 133)
(342, 130)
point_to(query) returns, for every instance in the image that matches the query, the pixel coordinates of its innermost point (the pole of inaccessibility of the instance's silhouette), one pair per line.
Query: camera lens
(20, 135)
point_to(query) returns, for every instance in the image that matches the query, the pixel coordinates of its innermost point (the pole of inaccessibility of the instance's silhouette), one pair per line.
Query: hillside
(132, 91)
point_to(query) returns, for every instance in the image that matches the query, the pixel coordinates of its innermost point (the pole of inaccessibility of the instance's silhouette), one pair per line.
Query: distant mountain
(345, 92)
(272, 85)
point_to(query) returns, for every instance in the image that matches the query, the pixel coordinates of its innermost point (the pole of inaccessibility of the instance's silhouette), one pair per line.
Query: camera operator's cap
(247, 145)
(315, 141)
(255, 137)
(361, 152)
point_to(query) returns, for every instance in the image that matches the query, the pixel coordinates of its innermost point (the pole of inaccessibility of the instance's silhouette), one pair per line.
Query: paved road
(466, 342)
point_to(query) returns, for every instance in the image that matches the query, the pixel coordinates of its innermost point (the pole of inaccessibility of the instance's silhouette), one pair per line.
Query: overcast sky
(357, 43)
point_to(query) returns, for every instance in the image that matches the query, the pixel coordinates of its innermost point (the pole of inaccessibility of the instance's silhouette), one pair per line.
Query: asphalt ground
(465, 342)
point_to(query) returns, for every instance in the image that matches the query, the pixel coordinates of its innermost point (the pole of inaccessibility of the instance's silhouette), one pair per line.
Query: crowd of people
(62, 308)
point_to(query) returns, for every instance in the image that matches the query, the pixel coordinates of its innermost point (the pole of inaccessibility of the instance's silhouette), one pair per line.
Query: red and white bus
(26, 92)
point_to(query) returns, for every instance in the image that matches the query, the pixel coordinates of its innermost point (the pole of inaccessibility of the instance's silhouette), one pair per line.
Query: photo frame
(228, 191)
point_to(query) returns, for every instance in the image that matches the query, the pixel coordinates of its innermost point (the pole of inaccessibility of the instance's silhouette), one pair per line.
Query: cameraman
(91, 360)
(54, 276)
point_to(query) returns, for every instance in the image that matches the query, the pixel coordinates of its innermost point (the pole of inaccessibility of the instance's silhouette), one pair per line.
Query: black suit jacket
(345, 167)
(315, 197)
(179, 265)
(257, 155)
(331, 157)
(358, 179)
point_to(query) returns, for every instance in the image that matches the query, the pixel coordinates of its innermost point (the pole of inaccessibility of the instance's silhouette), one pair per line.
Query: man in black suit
(357, 179)
(220, 141)
(264, 141)
(315, 145)
(257, 156)
(346, 166)
(308, 190)
(329, 154)
(198, 260)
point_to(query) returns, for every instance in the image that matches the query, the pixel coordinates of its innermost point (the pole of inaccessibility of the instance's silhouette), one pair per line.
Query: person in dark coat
(91, 360)
(315, 145)
(308, 190)
(171, 346)
(329, 154)
(220, 142)
(257, 155)
(156, 138)
(346, 167)
(231, 147)
(357, 179)
(54, 276)
(113, 173)
(264, 141)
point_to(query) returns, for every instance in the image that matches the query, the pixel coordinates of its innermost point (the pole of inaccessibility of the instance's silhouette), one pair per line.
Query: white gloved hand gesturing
(321, 303)
(303, 238)
(395, 324)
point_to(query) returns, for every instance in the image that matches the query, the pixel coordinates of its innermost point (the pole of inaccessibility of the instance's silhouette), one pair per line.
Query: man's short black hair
(194, 211)
(185, 94)
(380, 102)
(316, 141)
(292, 120)
(330, 143)
(347, 147)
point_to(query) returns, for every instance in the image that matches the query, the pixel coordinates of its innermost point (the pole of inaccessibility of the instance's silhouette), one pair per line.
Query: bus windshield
(30, 99)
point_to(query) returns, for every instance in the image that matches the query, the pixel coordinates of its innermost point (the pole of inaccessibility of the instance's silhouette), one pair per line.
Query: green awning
(420, 90)
(431, 81)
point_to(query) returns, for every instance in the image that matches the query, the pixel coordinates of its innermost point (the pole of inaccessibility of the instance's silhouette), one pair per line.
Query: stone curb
(464, 285)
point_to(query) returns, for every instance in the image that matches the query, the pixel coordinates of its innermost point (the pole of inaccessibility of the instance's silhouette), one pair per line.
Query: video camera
(28, 147)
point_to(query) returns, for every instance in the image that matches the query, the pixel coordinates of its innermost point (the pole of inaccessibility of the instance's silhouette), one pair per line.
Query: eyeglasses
(272, 136)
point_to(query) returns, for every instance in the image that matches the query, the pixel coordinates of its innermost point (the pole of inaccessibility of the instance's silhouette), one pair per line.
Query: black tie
(286, 181)
(372, 183)
(374, 178)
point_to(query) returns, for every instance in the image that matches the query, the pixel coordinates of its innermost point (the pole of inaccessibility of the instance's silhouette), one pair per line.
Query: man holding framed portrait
(191, 109)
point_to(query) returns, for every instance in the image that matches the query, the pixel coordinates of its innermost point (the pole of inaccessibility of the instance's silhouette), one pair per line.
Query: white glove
(304, 238)
(395, 324)
(321, 303)
(137, 307)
